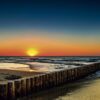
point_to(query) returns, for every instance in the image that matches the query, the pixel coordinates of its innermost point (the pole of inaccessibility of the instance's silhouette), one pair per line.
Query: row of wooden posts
(22, 87)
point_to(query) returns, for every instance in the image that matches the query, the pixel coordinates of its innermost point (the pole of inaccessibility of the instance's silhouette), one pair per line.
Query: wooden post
(28, 85)
(33, 82)
(72, 71)
(66, 75)
(61, 77)
(37, 83)
(11, 90)
(23, 86)
(45, 81)
(69, 75)
(3, 91)
(82, 72)
(50, 79)
(75, 73)
(41, 82)
(53, 79)
(78, 73)
(46, 77)
(17, 87)
(57, 78)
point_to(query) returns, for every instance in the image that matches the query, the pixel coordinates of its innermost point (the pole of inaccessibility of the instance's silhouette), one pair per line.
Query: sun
(32, 52)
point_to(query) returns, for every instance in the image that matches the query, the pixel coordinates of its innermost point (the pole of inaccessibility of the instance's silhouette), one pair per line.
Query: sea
(87, 88)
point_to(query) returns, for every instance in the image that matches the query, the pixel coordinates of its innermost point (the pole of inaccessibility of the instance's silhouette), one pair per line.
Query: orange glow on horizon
(48, 46)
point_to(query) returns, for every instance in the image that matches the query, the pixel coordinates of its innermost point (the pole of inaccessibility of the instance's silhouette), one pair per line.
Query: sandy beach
(85, 89)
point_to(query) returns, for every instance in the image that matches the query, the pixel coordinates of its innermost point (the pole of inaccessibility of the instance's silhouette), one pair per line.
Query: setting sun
(32, 52)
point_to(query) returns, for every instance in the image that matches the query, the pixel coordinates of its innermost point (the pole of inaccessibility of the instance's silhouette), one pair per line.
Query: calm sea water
(59, 60)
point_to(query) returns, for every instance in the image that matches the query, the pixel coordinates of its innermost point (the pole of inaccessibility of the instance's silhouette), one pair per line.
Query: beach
(84, 89)
(25, 68)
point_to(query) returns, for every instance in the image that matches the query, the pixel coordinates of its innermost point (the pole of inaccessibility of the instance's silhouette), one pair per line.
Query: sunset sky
(52, 27)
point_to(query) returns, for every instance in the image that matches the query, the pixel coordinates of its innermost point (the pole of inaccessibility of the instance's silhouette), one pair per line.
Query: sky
(52, 27)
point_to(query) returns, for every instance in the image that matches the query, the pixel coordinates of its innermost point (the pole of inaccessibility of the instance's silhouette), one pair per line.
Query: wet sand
(85, 89)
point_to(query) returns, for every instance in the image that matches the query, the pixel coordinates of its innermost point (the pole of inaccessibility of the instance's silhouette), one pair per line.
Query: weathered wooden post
(62, 77)
(23, 86)
(41, 82)
(35, 87)
(66, 76)
(72, 74)
(59, 77)
(31, 83)
(78, 73)
(3, 91)
(75, 73)
(50, 80)
(80, 70)
(83, 71)
(11, 90)
(28, 85)
(55, 78)
(37, 83)
(88, 69)
(45, 80)
(17, 84)
(69, 75)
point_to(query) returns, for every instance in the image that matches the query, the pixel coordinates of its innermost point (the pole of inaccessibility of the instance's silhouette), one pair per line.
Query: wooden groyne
(24, 86)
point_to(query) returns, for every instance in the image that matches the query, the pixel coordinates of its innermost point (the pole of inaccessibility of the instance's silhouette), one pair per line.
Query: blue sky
(77, 19)
(50, 14)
